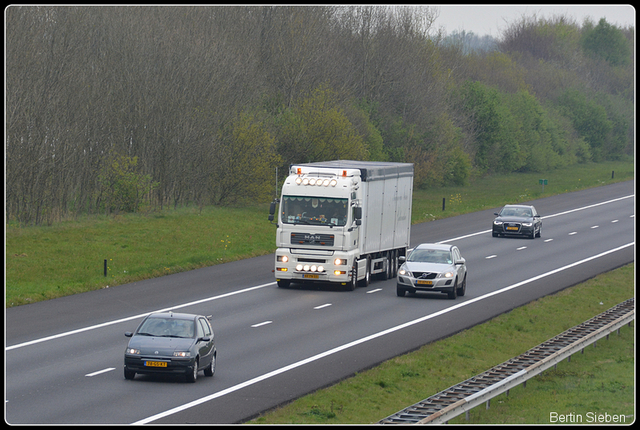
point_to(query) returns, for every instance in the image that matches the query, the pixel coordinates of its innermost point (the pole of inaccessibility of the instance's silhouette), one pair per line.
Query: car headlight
(403, 271)
(446, 275)
(181, 354)
(527, 224)
(497, 222)
(132, 351)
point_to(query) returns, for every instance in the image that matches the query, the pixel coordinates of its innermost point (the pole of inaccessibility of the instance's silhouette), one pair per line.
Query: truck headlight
(340, 262)
(282, 258)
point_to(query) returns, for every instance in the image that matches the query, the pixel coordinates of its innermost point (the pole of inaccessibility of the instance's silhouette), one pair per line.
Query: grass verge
(66, 258)
(593, 384)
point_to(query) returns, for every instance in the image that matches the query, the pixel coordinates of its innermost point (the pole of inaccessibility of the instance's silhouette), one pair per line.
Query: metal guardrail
(466, 395)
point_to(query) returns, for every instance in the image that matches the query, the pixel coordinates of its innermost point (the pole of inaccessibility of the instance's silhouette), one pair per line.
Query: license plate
(155, 363)
(311, 276)
(512, 228)
(424, 282)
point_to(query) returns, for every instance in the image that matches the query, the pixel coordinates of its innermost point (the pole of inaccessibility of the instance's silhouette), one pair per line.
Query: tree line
(117, 108)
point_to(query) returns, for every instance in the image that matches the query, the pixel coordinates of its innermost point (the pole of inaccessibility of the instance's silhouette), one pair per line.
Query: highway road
(64, 357)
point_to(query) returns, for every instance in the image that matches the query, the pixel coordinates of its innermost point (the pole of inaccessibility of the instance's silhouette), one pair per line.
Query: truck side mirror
(272, 210)
(357, 213)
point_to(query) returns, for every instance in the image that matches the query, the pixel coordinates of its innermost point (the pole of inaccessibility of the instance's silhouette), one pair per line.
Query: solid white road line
(367, 338)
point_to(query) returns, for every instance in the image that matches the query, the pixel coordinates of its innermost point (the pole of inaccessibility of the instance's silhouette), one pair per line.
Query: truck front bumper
(311, 268)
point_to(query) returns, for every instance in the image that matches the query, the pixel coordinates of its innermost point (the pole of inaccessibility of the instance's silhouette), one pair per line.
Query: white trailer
(343, 221)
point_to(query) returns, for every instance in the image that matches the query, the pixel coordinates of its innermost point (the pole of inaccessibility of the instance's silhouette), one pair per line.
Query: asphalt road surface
(64, 357)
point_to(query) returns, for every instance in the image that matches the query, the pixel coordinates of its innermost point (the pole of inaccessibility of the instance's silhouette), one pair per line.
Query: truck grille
(312, 239)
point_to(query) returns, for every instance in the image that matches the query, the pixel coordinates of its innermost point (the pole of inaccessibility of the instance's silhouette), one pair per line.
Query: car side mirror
(203, 339)
(461, 261)
(128, 334)
(496, 214)
(402, 259)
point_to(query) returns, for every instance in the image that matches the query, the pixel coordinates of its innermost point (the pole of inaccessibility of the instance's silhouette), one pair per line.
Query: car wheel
(192, 375)
(494, 234)
(400, 291)
(128, 374)
(539, 232)
(463, 289)
(453, 294)
(211, 368)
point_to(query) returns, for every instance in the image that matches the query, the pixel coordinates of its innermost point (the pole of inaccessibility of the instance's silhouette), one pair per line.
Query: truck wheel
(387, 273)
(354, 278)
(284, 283)
(394, 263)
(367, 274)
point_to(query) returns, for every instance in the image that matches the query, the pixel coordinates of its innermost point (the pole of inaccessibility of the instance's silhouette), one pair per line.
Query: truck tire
(387, 273)
(364, 282)
(284, 283)
(354, 278)
(394, 263)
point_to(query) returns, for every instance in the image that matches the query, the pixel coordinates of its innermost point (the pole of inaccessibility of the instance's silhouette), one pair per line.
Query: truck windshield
(314, 210)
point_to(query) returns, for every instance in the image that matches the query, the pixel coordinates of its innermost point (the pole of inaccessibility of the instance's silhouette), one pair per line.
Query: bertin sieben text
(587, 418)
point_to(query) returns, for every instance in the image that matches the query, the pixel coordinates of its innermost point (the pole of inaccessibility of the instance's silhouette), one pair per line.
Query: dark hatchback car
(517, 220)
(171, 343)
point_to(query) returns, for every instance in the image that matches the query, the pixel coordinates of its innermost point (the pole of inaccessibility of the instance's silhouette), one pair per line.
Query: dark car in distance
(171, 343)
(517, 220)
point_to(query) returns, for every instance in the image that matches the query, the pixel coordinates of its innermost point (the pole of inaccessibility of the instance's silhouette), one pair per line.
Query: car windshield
(430, 256)
(166, 327)
(521, 212)
(314, 210)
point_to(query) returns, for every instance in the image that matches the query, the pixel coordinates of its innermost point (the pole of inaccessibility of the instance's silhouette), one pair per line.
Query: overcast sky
(493, 19)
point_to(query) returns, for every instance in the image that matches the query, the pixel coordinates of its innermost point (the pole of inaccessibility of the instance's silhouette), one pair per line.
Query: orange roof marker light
(344, 173)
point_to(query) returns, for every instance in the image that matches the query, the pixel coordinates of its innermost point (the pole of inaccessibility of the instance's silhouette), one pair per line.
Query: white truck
(342, 221)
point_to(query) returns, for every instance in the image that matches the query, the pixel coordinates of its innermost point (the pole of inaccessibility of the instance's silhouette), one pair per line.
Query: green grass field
(68, 257)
